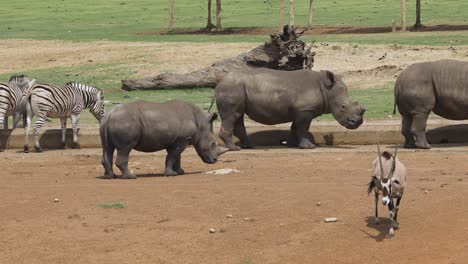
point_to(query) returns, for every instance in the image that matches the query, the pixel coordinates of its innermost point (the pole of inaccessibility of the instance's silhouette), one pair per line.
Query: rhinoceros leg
(226, 131)
(418, 128)
(406, 123)
(173, 159)
(122, 163)
(292, 139)
(241, 133)
(107, 159)
(302, 124)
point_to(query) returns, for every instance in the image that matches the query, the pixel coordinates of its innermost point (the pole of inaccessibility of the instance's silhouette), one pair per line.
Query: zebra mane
(19, 78)
(84, 87)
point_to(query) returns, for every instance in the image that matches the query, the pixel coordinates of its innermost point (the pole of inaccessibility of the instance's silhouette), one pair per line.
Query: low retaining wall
(329, 133)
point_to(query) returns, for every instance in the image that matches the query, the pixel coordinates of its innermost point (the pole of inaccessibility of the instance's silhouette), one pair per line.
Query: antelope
(389, 177)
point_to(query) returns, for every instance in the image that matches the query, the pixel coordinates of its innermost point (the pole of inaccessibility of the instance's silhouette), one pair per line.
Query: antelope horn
(380, 158)
(392, 169)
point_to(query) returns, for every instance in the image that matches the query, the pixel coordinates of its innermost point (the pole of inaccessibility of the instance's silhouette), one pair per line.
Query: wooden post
(291, 12)
(218, 14)
(281, 14)
(311, 11)
(171, 14)
(393, 25)
(418, 14)
(209, 24)
(403, 15)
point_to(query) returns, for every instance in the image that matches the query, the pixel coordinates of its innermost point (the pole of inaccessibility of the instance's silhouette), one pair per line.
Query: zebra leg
(75, 119)
(27, 127)
(397, 208)
(16, 119)
(2, 118)
(63, 122)
(376, 217)
(5, 122)
(37, 127)
(122, 163)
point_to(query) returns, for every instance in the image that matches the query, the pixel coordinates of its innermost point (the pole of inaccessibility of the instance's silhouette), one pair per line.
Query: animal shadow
(150, 175)
(383, 228)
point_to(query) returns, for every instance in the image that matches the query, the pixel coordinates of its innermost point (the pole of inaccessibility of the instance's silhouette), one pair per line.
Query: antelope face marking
(386, 191)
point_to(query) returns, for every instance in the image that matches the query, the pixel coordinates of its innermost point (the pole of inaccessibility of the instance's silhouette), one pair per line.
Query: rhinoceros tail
(212, 102)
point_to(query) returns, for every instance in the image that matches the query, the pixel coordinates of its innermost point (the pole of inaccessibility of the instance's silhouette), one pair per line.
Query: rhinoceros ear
(329, 80)
(212, 117)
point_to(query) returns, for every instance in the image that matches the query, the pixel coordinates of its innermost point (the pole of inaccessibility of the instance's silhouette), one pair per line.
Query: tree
(281, 14)
(209, 24)
(403, 15)
(418, 15)
(291, 13)
(218, 14)
(285, 51)
(171, 14)
(311, 11)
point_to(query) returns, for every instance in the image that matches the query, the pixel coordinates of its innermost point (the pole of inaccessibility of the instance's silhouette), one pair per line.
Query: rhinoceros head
(349, 113)
(206, 145)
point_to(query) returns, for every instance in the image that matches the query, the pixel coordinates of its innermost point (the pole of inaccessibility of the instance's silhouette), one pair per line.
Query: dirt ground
(167, 219)
(363, 66)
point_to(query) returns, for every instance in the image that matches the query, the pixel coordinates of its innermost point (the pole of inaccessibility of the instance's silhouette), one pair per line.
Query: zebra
(12, 99)
(22, 82)
(46, 100)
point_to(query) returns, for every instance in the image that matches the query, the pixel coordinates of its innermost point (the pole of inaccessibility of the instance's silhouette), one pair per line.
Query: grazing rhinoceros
(148, 126)
(439, 86)
(273, 97)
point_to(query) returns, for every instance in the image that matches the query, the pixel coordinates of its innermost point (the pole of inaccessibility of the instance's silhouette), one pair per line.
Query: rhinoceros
(438, 86)
(273, 97)
(149, 126)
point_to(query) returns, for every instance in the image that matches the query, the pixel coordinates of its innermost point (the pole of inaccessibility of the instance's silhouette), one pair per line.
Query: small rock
(318, 204)
(331, 219)
(251, 219)
(426, 191)
(222, 171)
(56, 200)
(212, 230)
(229, 216)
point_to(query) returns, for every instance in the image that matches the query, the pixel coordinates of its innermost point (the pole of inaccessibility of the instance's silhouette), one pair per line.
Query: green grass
(378, 100)
(122, 19)
(112, 205)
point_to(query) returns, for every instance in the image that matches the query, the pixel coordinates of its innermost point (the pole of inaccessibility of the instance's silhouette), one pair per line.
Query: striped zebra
(13, 99)
(46, 100)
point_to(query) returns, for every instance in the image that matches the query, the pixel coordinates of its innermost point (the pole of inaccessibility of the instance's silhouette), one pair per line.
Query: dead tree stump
(284, 52)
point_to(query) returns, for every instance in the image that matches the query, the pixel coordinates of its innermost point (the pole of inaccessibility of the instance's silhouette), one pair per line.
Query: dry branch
(284, 52)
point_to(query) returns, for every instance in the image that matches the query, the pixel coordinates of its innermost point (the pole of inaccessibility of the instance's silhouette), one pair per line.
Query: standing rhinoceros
(273, 97)
(439, 86)
(148, 127)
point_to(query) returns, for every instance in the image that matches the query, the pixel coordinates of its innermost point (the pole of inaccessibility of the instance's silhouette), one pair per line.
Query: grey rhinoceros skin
(438, 86)
(274, 97)
(148, 127)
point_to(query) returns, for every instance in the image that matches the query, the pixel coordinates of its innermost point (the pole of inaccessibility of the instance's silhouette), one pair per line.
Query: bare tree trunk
(218, 14)
(171, 14)
(284, 52)
(403, 15)
(418, 15)
(209, 24)
(281, 14)
(311, 12)
(291, 13)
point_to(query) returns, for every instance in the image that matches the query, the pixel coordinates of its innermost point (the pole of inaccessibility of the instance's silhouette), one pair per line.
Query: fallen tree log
(284, 52)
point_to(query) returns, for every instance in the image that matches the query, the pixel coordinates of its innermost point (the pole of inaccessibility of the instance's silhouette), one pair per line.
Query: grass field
(125, 20)
(122, 19)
